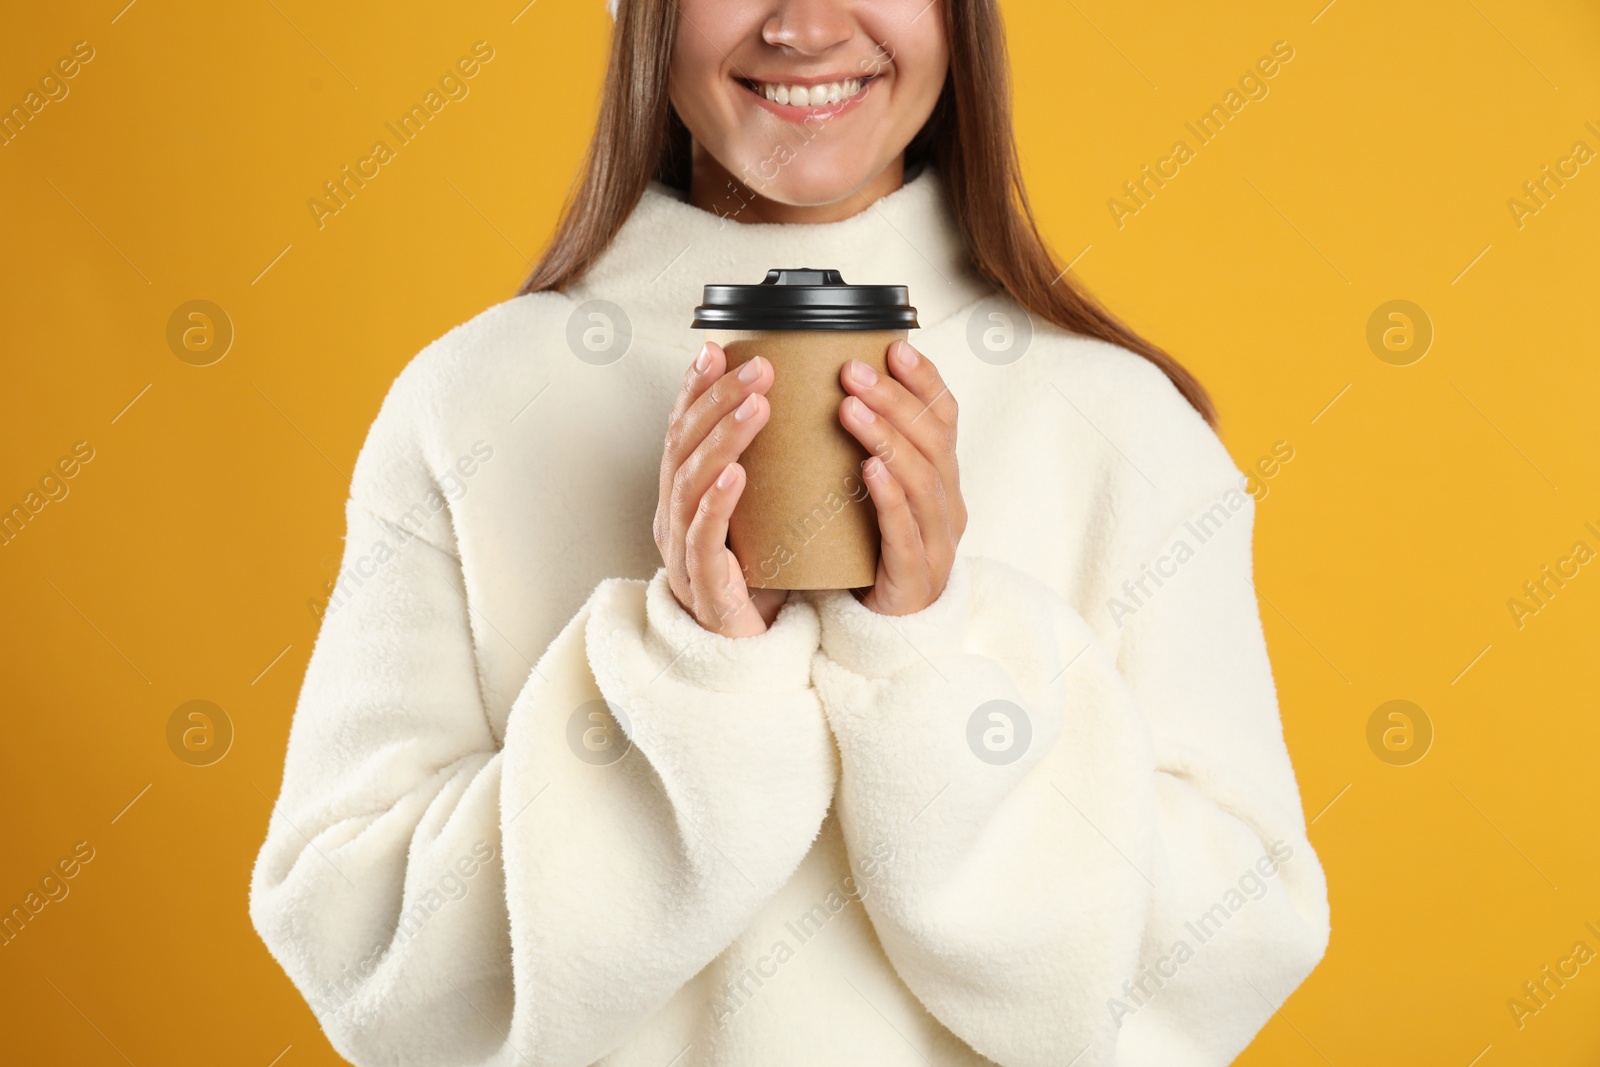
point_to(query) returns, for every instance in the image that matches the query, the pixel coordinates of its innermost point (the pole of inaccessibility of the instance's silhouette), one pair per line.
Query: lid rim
(805, 299)
(771, 326)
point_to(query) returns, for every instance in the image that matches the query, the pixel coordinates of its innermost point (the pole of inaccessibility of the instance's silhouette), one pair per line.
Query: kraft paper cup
(806, 519)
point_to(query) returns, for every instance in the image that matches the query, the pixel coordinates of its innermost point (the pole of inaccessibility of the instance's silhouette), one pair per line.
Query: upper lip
(824, 79)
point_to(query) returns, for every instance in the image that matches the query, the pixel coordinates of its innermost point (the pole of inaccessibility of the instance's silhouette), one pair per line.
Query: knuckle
(682, 489)
(675, 441)
(718, 436)
(682, 587)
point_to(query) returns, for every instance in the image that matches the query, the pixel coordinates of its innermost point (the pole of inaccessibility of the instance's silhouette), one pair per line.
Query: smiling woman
(938, 93)
(743, 84)
(1026, 794)
(821, 103)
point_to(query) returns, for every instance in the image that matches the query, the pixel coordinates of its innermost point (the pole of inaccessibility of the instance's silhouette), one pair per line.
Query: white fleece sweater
(821, 845)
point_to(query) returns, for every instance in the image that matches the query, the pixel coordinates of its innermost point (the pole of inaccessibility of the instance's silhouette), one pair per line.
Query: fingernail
(863, 373)
(908, 355)
(725, 479)
(746, 409)
(861, 410)
(703, 360)
(751, 370)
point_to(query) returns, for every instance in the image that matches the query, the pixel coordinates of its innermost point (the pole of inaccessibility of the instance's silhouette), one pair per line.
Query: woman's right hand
(716, 417)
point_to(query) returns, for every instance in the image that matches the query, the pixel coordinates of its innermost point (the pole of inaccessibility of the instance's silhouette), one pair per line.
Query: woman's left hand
(908, 423)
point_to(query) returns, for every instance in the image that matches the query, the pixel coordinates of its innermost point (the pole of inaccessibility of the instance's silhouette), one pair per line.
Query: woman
(1025, 800)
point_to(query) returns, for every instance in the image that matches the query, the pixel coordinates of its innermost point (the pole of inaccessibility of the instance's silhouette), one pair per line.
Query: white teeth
(810, 95)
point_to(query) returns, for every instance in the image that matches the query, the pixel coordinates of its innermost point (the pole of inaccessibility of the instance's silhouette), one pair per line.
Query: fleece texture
(532, 813)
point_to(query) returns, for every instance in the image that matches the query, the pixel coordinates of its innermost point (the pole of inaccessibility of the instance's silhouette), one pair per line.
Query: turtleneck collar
(669, 249)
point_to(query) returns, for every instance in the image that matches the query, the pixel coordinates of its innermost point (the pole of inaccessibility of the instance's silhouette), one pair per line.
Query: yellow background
(181, 563)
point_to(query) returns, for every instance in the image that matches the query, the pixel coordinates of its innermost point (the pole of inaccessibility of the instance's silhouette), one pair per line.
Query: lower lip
(796, 113)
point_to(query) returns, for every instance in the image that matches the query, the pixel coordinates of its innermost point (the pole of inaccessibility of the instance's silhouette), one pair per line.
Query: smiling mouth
(820, 94)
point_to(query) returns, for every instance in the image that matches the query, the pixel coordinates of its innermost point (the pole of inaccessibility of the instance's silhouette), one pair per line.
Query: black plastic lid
(805, 299)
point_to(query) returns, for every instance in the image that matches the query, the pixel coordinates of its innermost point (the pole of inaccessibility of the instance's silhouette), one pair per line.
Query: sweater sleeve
(1095, 849)
(442, 896)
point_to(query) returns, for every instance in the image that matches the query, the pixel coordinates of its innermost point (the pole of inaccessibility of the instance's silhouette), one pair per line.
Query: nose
(809, 27)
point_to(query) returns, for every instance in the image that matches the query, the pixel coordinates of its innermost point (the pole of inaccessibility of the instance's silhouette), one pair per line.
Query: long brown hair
(968, 138)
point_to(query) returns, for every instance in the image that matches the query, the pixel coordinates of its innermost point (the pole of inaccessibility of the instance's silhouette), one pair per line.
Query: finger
(724, 393)
(919, 479)
(931, 436)
(706, 368)
(918, 374)
(716, 392)
(767, 601)
(723, 445)
(904, 559)
(718, 590)
(706, 396)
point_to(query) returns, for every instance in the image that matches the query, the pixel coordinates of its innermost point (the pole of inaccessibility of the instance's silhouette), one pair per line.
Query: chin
(813, 182)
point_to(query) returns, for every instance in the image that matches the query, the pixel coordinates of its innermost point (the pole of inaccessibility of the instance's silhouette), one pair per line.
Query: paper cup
(805, 519)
